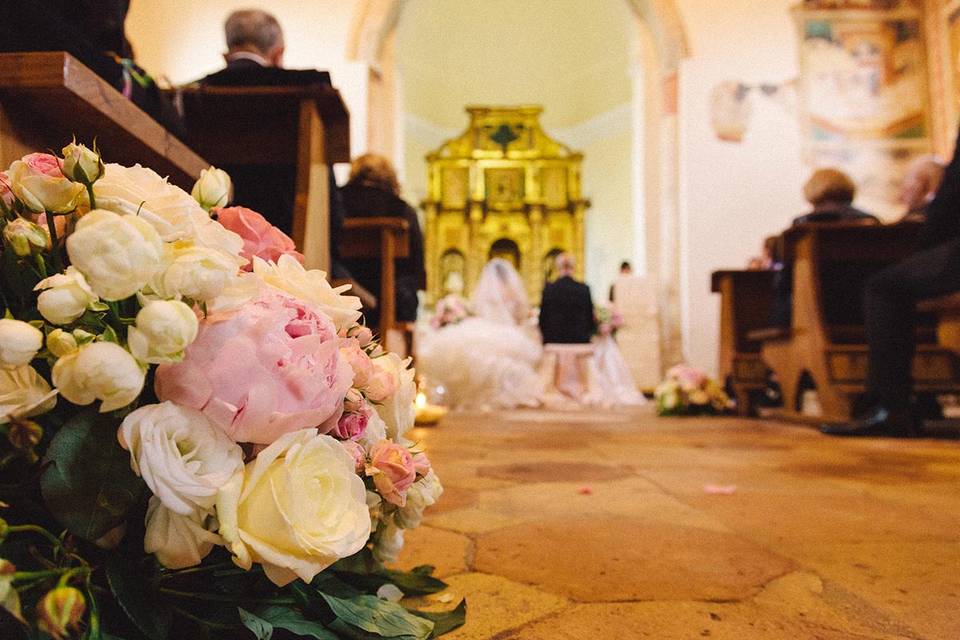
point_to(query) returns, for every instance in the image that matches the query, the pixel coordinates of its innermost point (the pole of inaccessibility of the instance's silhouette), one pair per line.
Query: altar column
(434, 286)
(579, 211)
(474, 260)
(535, 258)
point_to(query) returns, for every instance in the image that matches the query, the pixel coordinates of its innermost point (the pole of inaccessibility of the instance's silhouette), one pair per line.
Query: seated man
(568, 323)
(920, 184)
(890, 307)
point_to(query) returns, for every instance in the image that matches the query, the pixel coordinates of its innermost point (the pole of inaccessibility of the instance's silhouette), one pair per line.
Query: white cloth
(614, 376)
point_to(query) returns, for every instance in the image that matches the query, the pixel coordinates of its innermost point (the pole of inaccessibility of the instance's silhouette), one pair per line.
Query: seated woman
(831, 193)
(373, 191)
(488, 360)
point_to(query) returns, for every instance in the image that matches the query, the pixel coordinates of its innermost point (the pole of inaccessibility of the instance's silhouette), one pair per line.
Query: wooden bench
(383, 239)
(746, 299)
(826, 339)
(947, 311)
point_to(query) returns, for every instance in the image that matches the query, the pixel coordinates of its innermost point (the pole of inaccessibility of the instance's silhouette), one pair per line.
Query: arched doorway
(658, 44)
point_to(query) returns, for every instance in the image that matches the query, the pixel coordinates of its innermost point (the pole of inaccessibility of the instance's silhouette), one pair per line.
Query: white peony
(178, 541)
(99, 371)
(24, 394)
(198, 273)
(288, 275)
(239, 290)
(297, 508)
(180, 454)
(117, 254)
(138, 191)
(65, 296)
(422, 494)
(213, 189)
(398, 410)
(19, 343)
(163, 330)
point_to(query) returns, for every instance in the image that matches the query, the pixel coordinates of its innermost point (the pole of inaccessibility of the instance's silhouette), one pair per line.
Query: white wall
(732, 195)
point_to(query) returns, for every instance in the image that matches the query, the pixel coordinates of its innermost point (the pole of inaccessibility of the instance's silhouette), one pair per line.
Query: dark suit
(891, 296)
(365, 201)
(566, 312)
(244, 72)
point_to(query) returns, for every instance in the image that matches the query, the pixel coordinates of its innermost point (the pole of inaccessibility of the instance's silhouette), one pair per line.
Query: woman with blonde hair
(831, 193)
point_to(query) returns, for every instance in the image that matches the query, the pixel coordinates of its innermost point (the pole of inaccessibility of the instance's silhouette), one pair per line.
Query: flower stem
(216, 597)
(32, 528)
(54, 242)
(93, 201)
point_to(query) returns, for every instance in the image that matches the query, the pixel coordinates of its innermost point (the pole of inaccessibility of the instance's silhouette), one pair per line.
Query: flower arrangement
(689, 391)
(451, 309)
(608, 318)
(198, 438)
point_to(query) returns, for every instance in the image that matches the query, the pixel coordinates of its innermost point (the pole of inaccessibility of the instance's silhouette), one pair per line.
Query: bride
(487, 360)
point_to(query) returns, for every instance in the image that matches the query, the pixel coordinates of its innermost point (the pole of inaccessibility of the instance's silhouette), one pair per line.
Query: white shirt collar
(248, 55)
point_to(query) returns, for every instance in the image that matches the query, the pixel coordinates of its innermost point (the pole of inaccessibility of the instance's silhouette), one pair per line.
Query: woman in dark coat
(373, 191)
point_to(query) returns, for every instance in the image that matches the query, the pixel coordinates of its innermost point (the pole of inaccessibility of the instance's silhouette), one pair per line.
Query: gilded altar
(502, 189)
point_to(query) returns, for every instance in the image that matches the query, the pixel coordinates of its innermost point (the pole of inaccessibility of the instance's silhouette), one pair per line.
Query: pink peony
(396, 471)
(260, 238)
(351, 426)
(269, 368)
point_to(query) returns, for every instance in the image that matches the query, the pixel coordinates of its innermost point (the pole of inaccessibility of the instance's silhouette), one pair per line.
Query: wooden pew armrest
(769, 333)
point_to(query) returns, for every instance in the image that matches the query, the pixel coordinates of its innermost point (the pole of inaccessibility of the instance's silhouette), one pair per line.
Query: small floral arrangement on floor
(198, 438)
(608, 317)
(688, 391)
(451, 309)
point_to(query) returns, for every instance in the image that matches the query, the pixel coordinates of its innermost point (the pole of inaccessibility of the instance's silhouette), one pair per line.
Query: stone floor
(560, 526)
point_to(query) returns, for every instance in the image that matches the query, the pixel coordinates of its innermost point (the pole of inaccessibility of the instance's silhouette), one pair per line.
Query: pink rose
(381, 386)
(421, 463)
(363, 336)
(6, 195)
(43, 163)
(396, 471)
(269, 368)
(260, 238)
(351, 426)
(357, 453)
(360, 362)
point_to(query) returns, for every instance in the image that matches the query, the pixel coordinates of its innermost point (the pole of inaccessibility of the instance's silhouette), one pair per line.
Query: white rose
(198, 273)
(164, 329)
(117, 254)
(81, 164)
(60, 343)
(375, 432)
(178, 541)
(388, 543)
(169, 209)
(41, 192)
(99, 371)
(213, 189)
(423, 493)
(65, 296)
(19, 343)
(24, 394)
(24, 236)
(288, 275)
(239, 290)
(297, 508)
(398, 410)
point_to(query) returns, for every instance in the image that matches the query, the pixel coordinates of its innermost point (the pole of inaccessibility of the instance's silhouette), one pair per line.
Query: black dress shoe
(877, 422)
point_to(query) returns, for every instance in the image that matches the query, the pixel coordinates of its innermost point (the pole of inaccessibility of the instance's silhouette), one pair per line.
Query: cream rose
(61, 343)
(99, 371)
(297, 508)
(65, 296)
(178, 541)
(288, 275)
(81, 164)
(117, 254)
(19, 343)
(213, 189)
(398, 409)
(24, 394)
(164, 329)
(37, 181)
(182, 457)
(198, 273)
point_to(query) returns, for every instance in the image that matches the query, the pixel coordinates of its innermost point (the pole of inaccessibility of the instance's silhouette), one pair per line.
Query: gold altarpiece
(501, 189)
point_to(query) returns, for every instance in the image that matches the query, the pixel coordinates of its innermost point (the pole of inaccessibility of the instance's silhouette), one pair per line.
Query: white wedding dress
(489, 360)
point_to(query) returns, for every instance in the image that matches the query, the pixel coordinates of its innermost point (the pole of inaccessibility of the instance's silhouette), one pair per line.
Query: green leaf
(293, 621)
(379, 617)
(414, 582)
(87, 482)
(135, 595)
(262, 629)
(444, 621)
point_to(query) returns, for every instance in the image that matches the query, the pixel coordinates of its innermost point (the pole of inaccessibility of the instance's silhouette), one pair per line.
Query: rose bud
(81, 164)
(213, 189)
(24, 237)
(61, 611)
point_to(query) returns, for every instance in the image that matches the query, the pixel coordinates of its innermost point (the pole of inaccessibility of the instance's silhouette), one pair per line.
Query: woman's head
(829, 187)
(374, 170)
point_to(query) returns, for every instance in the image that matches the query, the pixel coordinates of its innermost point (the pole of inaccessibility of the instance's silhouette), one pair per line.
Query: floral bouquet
(688, 391)
(608, 317)
(451, 309)
(197, 436)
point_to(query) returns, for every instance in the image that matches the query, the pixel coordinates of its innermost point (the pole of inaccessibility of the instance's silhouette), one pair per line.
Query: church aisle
(622, 525)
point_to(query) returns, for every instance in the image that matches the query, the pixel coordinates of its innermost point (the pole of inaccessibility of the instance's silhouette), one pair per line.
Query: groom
(566, 310)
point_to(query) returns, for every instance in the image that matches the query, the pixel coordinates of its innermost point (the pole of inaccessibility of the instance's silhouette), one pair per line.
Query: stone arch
(661, 45)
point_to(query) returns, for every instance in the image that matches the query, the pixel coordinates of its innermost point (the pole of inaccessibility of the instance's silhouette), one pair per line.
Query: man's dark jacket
(566, 312)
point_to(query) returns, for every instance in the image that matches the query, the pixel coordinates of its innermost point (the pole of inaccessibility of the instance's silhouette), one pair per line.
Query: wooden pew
(48, 97)
(746, 298)
(383, 239)
(303, 127)
(826, 339)
(947, 311)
